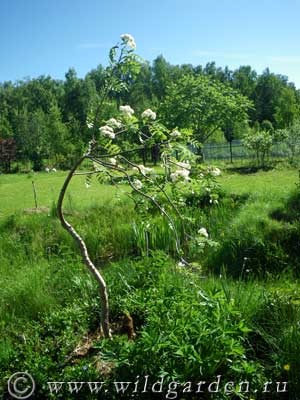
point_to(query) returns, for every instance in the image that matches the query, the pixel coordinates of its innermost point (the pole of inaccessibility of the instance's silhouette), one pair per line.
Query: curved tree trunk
(84, 253)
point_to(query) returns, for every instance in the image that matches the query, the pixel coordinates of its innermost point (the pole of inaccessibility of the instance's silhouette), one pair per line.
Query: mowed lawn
(261, 184)
(16, 191)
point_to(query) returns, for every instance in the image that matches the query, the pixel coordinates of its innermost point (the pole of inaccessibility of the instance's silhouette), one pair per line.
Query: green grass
(262, 183)
(251, 237)
(17, 192)
(227, 327)
(186, 318)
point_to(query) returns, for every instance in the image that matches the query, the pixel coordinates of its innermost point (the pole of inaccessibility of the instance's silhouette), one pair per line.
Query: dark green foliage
(7, 153)
(290, 212)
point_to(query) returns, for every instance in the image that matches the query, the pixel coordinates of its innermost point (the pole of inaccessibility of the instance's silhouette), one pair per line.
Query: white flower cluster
(144, 170)
(128, 40)
(126, 110)
(112, 161)
(112, 122)
(181, 264)
(90, 146)
(185, 165)
(137, 184)
(214, 171)
(107, 131)
(183, 172)
(203, 232)
(50, 170)
(175, 133)
(149, 114)
(180, 173)
(89, 124)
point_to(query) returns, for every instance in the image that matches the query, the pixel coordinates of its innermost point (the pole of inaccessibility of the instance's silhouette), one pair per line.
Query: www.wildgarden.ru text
(171, 390)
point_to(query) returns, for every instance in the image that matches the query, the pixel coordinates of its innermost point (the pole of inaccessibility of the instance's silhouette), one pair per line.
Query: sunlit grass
(16, 192)
(262, 183)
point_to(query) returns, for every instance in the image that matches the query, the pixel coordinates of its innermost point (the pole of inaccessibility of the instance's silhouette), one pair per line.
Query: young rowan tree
(108, 160)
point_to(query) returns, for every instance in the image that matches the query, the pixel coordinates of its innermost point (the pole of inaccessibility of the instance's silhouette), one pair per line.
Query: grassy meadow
(234, 312)
(17, 192)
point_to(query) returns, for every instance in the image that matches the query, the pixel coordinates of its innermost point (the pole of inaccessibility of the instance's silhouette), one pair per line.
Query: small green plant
(260, 143)
(291, 136)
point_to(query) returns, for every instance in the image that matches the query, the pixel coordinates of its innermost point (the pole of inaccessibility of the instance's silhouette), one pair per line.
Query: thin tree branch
(161, 188)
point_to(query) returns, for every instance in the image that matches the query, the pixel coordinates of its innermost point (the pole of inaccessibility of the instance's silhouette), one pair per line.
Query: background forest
(47, 118)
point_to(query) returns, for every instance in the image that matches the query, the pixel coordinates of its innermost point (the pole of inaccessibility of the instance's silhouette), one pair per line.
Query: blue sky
(41, 37)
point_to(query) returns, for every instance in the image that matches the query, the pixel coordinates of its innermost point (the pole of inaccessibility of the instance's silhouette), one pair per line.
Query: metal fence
(236, 150)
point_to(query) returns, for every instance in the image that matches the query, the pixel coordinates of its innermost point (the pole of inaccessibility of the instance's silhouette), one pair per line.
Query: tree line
(47, 118)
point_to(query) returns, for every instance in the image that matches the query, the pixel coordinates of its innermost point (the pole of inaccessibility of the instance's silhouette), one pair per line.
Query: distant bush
(260, 143)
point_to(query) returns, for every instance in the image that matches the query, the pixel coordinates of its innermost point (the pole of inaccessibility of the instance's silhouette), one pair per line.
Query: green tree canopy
(275, 100)
(203, 105)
